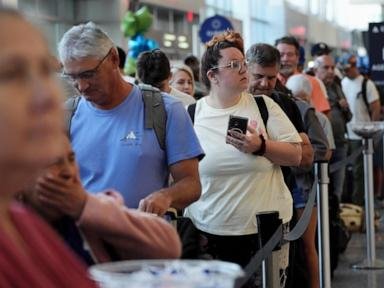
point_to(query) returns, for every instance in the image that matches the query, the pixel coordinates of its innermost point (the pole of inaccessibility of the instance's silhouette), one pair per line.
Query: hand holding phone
(238, 124)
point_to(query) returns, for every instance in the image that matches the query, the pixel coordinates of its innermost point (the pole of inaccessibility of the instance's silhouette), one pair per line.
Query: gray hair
(84, 40)
(299, 84)
(263, 54)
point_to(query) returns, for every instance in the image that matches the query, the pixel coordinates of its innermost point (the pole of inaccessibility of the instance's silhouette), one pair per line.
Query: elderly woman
(241, 173)
(182, 79)
(31, 254)
(319, 131)
(61, 200)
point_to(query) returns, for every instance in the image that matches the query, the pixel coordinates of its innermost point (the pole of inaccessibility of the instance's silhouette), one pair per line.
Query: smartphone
(237, 123)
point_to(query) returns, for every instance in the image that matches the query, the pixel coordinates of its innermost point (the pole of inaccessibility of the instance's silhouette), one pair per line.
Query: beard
(257, 91)
(287, 70)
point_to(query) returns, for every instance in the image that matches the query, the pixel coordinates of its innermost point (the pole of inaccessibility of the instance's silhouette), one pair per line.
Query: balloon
(130, 66)
(144, 19)
(129, 24)
(139, 44)
(152, 44)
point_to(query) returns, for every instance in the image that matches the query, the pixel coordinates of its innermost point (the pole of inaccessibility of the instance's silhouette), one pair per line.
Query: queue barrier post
(321, 169)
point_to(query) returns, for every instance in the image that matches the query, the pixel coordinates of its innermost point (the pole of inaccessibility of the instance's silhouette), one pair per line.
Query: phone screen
(237, 123)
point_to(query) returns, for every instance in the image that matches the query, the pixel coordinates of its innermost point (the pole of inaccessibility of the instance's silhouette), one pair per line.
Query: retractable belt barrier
(351, 158)
(300, 227)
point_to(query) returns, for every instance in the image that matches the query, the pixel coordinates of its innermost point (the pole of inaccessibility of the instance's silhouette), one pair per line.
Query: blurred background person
(289, 52)
(30, 124)
(301, 90)
(153, 68)
(364, 109)
(193, 62)
(122, 59)
(182, 79)
(340, 115)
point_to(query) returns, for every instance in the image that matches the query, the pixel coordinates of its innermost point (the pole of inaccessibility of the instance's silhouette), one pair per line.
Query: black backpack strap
(191, 111)
(364, 94)
(263, 109)
(70, 106)
(155, 116)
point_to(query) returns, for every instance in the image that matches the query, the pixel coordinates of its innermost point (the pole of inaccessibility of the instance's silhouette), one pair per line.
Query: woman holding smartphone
(241, 173)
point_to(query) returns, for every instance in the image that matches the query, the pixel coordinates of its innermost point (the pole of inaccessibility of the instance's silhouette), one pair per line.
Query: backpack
(155, 116)
(259, 101)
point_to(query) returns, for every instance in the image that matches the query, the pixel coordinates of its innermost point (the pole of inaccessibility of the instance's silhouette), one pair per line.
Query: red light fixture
(189, 16)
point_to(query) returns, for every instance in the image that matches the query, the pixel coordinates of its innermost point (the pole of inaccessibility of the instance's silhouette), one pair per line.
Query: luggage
(352, 215)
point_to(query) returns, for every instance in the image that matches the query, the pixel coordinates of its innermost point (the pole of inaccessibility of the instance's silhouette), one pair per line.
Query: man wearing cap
(324, 69)
(289, 53)
(320, 49)
(363, 110)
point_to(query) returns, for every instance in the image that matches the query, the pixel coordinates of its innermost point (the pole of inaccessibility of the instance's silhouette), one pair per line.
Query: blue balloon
(152, 44)
(139, 44)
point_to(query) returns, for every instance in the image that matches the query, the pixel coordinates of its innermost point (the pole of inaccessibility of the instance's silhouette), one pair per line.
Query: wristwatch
(261, 150)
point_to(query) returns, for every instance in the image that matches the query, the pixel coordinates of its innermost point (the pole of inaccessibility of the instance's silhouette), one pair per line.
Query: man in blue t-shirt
(113, 148)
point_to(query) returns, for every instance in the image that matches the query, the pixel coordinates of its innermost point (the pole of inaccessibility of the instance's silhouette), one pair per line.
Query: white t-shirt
(351, 87)
(182, 97)
(235, 185)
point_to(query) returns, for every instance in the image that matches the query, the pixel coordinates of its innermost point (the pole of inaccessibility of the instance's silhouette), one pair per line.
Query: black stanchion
(267, 223)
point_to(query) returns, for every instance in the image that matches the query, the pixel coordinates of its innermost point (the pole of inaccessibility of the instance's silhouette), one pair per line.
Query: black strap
(364, 94)
(191, 111)
(263, 109)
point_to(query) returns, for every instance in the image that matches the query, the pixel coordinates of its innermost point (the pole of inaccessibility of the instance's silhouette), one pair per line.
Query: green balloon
(130, 66)
(129, 24)
(144, 19)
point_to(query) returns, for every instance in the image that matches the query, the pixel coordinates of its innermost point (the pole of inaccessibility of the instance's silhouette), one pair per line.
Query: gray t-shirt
(338, 120)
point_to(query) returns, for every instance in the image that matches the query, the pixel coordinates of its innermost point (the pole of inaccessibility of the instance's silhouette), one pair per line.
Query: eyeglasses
(86, 75)
(234, 64)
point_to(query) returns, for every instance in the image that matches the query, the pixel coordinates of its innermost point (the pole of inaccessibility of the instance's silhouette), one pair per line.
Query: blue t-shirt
(114, 150)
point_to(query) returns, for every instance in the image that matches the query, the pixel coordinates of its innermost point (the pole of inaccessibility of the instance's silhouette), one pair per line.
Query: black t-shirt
(282, 96)
(290, 109)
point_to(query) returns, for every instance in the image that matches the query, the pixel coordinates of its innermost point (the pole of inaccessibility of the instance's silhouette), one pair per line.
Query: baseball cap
(319, 49)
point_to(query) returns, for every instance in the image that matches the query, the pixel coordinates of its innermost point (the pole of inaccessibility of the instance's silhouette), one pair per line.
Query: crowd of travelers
(218, 139)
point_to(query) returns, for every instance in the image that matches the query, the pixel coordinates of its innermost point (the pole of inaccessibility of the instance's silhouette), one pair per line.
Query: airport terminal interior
(334, 43)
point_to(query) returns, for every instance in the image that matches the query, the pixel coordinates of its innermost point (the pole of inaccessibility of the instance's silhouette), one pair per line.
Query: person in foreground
(240, 174)
(31, 254)
(111, 230)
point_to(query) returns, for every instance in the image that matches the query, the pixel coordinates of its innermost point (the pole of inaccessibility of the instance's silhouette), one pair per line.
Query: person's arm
(132, 234)
(283, 153)
(183, 153)
(307, 154)
(316, 135)
(375, 110)
(185, 190)
(373, 100)
(104, 218)
(280, 153)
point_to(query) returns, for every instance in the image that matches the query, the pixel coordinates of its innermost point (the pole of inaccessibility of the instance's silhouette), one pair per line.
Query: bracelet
(261, 150)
